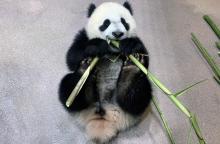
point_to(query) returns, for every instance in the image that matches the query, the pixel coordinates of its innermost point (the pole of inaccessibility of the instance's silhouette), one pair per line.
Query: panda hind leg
(138, 96)
(66, 86)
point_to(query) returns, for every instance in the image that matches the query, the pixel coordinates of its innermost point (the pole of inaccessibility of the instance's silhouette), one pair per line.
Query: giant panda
(116, 94)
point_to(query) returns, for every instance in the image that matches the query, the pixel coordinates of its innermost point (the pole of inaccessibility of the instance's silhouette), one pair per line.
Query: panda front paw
(97, 47)
(129, 46)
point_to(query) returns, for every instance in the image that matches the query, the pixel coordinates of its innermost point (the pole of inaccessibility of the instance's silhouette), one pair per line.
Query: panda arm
(76, 51)
(138, 94)
(97, 47)
(83, 48)
(132, 46)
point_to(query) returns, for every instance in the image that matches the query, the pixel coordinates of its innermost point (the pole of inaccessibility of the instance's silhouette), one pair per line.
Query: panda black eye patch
(126, 25)
(105, 25)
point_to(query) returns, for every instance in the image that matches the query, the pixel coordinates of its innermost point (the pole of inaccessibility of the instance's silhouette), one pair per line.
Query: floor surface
(35, 36)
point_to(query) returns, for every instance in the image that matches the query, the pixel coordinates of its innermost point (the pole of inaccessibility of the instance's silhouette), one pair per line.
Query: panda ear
(128, 6)
(91, 9)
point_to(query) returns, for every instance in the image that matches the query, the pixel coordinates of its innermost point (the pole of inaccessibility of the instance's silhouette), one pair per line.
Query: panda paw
(97, 47)
(128, 46)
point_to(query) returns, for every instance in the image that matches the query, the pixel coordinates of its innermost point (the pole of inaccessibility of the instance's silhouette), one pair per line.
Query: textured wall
(35, 36)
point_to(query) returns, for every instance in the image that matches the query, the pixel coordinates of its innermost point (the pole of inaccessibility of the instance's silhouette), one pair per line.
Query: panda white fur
(116, 94)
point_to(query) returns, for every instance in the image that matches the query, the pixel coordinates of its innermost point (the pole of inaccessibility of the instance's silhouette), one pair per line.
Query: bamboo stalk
(164, 121)
(179, 105)
(172, 97)
(212, 25)
(137, 63)
(207, 57)
(81, 82)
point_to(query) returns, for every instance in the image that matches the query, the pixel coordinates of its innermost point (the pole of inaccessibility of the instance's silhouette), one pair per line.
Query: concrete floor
(35, 36)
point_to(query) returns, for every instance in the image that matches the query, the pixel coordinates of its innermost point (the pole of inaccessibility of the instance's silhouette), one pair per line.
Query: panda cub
(116, 94)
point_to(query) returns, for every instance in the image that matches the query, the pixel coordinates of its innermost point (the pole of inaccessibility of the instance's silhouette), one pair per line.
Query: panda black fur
(116, 94)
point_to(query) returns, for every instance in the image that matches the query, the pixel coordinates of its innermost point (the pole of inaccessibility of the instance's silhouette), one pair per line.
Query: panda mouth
(113, 48)
(109, 38)
(116, 39)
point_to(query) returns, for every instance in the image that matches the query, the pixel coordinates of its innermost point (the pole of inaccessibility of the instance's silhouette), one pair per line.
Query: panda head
(110, 20)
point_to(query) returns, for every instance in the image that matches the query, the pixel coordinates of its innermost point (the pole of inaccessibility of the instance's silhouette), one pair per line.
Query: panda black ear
(91, 9)
(128, 6)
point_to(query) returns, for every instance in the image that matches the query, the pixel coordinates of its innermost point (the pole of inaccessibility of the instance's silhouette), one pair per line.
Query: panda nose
(117, 34)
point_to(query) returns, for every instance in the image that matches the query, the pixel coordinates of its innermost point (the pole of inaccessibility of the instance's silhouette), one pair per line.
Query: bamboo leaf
(187, 88)
(81, 82)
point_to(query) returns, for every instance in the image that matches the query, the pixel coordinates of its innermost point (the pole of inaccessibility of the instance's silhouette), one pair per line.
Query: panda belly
(107, 76)
(111, 78)
(114, 78)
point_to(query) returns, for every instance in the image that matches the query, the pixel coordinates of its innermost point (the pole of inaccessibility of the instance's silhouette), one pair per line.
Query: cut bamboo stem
(212, 25)
(81, 82)
(164, 121)
(207, 57)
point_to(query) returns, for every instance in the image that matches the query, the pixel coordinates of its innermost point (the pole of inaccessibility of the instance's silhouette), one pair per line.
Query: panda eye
(105, 25)
(126, 25)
